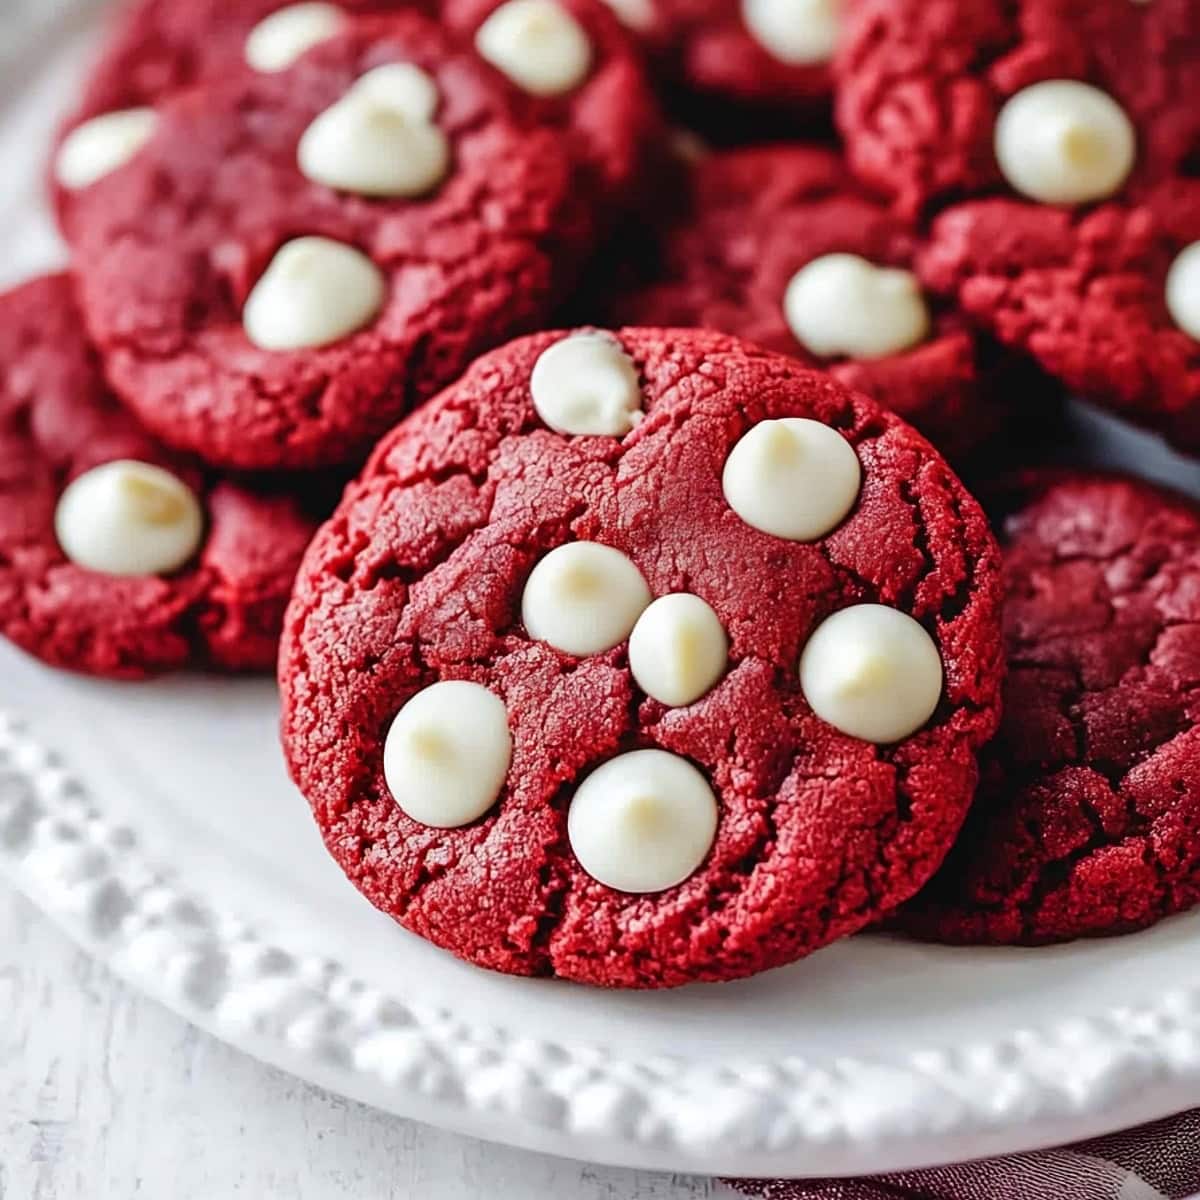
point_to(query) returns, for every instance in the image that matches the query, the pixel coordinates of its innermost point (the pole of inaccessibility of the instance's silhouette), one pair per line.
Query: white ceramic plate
(155, 823)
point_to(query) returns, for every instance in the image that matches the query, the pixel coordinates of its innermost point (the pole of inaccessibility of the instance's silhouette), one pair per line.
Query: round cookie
(232, 551)
(746, 253)
(1087, 818)
(755, 831)
(922, 85)
(295, 259)
(1097, 299)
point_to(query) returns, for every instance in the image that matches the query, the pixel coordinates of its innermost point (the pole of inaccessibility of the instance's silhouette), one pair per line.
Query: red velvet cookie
(1088, 817)
(228, 552)
(922, 85)
(1108, 301)
(507, 613)
(746, 253)
(295, 259)
(162, 46)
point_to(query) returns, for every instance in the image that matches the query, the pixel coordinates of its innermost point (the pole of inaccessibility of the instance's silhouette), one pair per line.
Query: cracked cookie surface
(169, 247)
(1087, 814)
(419, 577)
(921, 83)
(57, 420)
(1085, 294)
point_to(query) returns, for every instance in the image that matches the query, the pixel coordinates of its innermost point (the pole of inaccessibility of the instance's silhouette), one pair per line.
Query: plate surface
(155, 823)
(163, 835)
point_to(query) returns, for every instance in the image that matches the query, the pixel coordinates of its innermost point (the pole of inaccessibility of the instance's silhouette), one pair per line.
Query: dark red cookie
(921, 83)
(749, 220)
(170, 246)
(1085, 294)
(1088, 817)
(57, 421)
(419, 578)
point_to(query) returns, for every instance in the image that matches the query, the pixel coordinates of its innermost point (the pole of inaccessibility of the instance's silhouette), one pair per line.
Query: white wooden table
(106, 1096)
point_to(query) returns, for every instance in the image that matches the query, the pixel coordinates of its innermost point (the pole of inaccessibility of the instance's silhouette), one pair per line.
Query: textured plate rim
(1081, 1077)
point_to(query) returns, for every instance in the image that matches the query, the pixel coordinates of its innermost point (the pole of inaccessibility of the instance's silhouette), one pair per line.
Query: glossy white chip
(798, 32)
(1183, 290)
(129, 518)
(99, 146)
(583, 598)
(538, 44)
(643, 822)
(277, 41)
(678, 649)
(379, 139)
(587, 384)
(1065, 142)
(872, 672)
(793, 478)
(842, 305)
(314, 292)
(447, 754)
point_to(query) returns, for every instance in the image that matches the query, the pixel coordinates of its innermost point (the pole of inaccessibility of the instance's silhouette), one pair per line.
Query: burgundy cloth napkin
(1160, 1161)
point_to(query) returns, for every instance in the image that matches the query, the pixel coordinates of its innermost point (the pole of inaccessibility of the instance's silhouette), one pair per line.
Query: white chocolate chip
(678, 649)
(642, 822)
(99, 146)
(278, 40)
(129, 518)
(537, 44)
(379, 138)
(843, 305)
(1065, 142)
(374, 151)
(1183, 291)
(315, 291)
(447, 754)
(799, 32)
(872, 672)
(403, 87)
(792, 478)
(637, 15)
(587, 384)
(583, 598)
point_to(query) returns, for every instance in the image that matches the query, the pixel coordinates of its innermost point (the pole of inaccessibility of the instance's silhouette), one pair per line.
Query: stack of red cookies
(666, 647)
